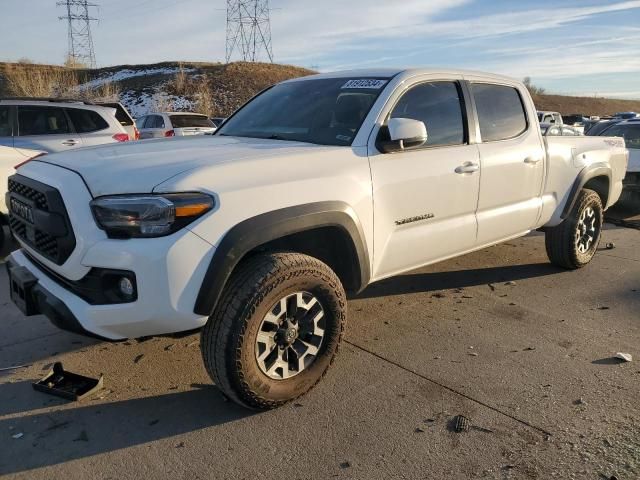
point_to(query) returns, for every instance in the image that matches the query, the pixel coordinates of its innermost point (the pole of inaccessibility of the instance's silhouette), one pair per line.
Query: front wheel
(574, 242)
(276, 329)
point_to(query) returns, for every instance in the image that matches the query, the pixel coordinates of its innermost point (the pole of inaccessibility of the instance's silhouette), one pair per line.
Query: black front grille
(47, 229)
(39, 198)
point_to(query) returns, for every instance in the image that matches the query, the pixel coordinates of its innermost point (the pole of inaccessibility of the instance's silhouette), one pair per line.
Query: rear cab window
(186, 121)
(86, 121)
(501, 112)
(630, 133)
(42, 121)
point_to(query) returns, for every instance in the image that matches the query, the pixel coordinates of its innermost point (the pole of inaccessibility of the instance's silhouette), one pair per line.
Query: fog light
(126, 287)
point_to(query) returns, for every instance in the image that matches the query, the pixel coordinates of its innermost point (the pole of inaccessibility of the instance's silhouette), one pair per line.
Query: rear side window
(86, 121)
(630, 133)
(42, 121)
(5, 122)
(121, 114)
(182, 121)
(438, 106)
(500, 112)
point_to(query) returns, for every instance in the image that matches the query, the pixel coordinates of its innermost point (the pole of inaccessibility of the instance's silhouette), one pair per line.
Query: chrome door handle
(468, 167)
(70, 143)
(532, 160)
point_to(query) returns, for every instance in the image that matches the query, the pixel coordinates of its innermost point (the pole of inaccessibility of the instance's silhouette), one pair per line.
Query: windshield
(324, 111)
(185, 121)
(631, 134)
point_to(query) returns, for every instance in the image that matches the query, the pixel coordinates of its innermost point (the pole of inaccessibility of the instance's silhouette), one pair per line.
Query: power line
(248, 29)
(81, 53)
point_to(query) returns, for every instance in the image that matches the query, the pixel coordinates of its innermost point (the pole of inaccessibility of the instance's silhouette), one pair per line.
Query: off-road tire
(560, 241)
(228, 339)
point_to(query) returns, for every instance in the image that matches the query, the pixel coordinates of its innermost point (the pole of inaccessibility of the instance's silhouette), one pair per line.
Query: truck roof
(407, 73)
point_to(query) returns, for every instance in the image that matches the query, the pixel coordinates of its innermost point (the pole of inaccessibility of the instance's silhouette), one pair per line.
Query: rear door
(45, 128)
(425, 199)
(92, 128)
(512, 162)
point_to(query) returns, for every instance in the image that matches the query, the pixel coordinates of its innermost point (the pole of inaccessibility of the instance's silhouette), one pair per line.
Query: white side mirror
(407, 132)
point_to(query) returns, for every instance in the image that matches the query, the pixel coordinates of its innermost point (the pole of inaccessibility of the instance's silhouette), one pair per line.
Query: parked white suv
(316, 186)
(56, 125)
(174, 124)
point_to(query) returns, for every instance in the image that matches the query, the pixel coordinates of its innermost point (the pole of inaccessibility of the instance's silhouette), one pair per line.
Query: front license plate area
(21, 283)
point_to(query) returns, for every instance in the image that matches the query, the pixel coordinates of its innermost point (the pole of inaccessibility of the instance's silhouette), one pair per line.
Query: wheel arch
(596, 177)
(330, 231)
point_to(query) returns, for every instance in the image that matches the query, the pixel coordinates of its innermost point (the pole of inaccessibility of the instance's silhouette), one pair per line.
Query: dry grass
(29, 80)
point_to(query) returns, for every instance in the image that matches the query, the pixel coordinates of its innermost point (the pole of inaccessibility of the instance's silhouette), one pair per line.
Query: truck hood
(137, 167)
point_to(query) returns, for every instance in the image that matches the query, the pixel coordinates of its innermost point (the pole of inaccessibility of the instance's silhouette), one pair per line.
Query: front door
(425, 199)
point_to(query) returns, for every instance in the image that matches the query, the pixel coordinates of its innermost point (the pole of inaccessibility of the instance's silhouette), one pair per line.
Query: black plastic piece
(599, 169)
(68, 385)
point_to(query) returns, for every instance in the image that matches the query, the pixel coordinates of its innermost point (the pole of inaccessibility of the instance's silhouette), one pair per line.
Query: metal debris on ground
(462, 424)
(610, 245)
(17, 436)
(625, 357)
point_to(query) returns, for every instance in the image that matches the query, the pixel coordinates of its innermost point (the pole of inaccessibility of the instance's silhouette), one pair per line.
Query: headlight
(123, 216)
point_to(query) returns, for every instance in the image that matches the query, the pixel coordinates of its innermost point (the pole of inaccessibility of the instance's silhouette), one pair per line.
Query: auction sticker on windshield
(365, 83)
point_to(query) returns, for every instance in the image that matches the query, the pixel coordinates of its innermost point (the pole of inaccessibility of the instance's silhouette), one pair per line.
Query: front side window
(500, 111)
(5, 122)
(438, 106)
(42, 121)
(327, 111)
(630, 133)
(86, 121)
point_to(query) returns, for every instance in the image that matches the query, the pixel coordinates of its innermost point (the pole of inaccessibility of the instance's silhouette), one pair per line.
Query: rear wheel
(574, 242)
(276, 329)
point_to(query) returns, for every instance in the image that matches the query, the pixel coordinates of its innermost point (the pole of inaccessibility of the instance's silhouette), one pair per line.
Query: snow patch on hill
(129, 73)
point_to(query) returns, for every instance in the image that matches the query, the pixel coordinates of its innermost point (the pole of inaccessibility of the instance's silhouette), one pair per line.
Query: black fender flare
(263, 228)
(587, 173)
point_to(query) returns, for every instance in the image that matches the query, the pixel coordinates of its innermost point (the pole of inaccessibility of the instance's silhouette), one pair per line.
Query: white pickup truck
(316, 186)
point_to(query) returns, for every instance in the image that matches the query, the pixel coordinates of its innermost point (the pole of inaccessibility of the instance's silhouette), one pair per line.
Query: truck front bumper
(168, 274)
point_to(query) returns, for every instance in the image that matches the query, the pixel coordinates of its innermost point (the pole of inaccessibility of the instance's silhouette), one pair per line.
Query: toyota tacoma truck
(316, 187)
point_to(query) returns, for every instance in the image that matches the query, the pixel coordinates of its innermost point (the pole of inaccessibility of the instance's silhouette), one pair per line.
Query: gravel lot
(523, 349)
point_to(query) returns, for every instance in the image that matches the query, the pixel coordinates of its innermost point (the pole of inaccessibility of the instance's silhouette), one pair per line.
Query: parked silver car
(174, 124)
(56, 125)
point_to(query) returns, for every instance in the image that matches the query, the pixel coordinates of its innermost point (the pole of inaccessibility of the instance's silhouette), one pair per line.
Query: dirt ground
(521, 348)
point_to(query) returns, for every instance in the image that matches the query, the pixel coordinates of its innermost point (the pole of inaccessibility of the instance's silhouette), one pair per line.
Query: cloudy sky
(589, 47)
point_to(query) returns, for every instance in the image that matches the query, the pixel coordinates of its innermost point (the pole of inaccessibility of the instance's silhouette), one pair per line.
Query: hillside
(212, 88)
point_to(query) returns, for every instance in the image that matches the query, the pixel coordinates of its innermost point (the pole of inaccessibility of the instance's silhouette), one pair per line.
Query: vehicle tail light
(136, 133)
(29, 159)
(121, 137)
(170, 133)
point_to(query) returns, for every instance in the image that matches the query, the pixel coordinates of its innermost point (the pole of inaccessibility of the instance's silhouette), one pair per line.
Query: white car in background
(10, 159)
(57, 125)
(174, 124)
